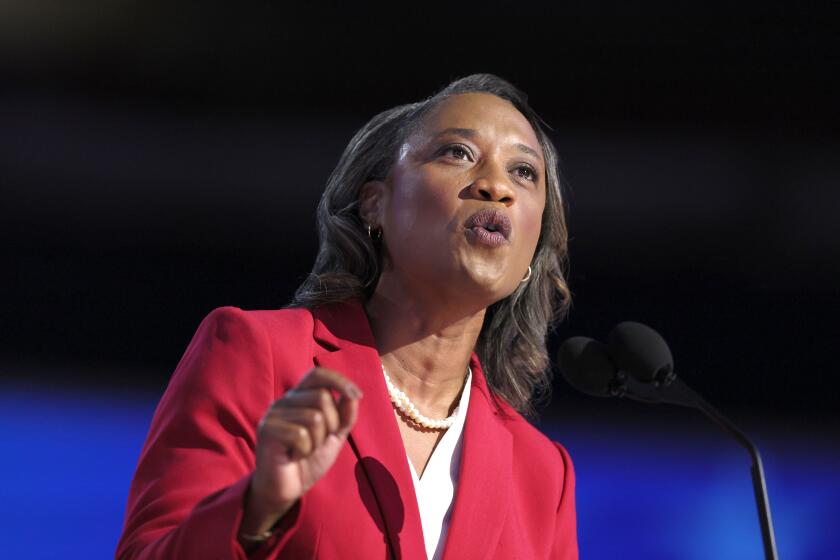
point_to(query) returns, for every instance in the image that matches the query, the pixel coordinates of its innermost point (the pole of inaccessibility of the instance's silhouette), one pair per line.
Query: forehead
(487, 114)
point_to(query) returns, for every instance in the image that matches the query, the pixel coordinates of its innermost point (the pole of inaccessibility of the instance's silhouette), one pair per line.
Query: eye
(526, 172)
(458, 151)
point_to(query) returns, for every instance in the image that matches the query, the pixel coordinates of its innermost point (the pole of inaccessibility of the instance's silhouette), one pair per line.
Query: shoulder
(529, 441)
(535, 456)
(262, 326)
(288, 319)
(282, 339)
(542, 465)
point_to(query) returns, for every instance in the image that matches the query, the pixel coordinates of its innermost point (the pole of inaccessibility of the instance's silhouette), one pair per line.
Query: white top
(436, 489)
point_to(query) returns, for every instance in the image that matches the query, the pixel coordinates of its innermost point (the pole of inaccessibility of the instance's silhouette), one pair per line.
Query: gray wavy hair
(511, 345)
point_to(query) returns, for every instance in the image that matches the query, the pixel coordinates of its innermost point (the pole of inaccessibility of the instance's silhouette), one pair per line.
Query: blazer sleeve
(186, 498)
(565, 533)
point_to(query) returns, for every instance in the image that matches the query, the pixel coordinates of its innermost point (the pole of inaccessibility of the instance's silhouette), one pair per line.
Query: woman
(379, 417)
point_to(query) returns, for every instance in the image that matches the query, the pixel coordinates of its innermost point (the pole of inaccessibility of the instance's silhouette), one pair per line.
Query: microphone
(641, 352)
(637, 363)
(587, 366)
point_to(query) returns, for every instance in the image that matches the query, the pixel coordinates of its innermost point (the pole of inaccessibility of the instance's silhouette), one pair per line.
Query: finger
(310, 418)
(348, 409)
(320, 399)
(294, 438)
(319, 378)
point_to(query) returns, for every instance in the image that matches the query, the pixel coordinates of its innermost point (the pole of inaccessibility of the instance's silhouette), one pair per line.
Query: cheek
(532, 224)
(404, 210)
(419, 207)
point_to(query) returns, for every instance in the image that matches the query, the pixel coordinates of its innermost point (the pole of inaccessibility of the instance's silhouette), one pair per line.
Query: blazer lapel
(349, 349)
(481, 498)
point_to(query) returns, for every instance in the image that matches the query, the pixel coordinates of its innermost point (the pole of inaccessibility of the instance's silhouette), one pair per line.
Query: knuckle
(324, 397)
(269, 424)
(274, 414)
(316, 417)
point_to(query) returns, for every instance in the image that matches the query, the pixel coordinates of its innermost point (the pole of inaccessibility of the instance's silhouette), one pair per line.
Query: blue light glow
(68, 458)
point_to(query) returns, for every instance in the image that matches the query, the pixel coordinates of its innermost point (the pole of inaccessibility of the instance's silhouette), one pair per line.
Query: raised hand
(298, 440)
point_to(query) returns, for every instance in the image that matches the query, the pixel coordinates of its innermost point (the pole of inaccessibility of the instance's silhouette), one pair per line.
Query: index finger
(320, 378)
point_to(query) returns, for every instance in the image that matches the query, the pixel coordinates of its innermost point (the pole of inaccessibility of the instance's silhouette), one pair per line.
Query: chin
(492, 284)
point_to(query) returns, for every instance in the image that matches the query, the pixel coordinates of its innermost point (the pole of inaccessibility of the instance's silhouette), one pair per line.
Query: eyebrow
(472, 133)
(528, 150)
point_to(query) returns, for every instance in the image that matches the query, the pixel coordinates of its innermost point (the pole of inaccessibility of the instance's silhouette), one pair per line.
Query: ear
(372, 197)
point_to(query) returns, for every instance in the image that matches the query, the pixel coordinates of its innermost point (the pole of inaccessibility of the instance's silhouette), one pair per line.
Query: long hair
(511, 345)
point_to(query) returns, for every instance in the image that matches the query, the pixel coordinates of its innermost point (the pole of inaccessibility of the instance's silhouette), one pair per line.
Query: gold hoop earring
(527, 276)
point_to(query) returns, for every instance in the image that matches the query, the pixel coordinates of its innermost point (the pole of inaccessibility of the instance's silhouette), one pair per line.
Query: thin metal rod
(674, 391)
(762, 502)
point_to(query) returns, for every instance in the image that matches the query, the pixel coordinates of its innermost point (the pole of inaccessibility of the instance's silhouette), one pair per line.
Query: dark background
(163, 159)
(159, 161)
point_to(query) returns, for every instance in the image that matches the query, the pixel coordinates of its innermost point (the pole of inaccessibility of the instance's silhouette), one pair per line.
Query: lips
(490, 227)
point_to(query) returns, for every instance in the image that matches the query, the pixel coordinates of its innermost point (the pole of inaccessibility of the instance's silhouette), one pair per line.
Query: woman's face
(462, 205)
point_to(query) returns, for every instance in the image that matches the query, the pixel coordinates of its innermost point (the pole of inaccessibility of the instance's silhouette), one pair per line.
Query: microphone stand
(672, 390)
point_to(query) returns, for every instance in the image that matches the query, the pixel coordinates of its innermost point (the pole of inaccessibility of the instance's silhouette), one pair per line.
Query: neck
(425, 347)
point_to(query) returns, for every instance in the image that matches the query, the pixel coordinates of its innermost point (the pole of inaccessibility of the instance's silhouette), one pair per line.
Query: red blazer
(514, 499)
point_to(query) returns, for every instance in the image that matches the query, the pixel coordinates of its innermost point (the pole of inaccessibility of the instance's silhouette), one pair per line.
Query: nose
(493, 185)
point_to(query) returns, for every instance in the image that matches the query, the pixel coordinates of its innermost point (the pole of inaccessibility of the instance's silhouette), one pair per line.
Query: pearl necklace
(404, 405)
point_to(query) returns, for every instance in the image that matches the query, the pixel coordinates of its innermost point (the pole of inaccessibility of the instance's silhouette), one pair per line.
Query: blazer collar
(481, 497)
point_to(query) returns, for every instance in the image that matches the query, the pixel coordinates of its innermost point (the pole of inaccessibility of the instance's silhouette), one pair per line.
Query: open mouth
(490, 227)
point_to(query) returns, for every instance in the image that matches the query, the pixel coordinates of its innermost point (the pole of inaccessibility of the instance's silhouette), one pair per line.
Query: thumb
(348, 411)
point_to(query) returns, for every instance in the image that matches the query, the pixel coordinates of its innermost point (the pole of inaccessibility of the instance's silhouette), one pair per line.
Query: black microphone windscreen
(640, 351)
(586, 365)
